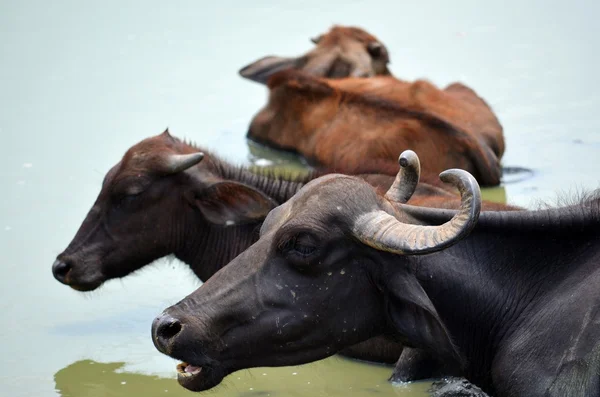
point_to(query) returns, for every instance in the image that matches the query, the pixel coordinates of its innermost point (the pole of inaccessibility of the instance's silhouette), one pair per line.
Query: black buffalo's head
(319, 279)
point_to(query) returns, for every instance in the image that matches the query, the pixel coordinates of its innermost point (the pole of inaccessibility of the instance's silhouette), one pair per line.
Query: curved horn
(382, 231)
(407, 178)
(180, 162)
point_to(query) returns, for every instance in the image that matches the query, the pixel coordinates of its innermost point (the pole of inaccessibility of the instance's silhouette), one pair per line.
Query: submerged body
(340, 123)
(505, 299)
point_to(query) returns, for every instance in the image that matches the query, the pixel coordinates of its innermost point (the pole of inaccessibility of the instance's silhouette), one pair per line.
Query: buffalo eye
(125, 200)
(300, 246)
(127, 197)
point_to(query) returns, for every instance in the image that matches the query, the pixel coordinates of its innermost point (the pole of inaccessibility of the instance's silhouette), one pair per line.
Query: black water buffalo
(508, 301)
(166, 198)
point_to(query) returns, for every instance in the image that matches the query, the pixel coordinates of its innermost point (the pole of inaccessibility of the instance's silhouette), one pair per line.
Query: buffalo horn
(180, 162)
(407, 178)
(384, 232)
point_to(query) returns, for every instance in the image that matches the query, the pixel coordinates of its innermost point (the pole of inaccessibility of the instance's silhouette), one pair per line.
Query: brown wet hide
(342, 124)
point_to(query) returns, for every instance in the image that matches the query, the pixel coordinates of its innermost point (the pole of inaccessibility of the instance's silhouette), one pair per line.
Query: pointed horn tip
(408, 157)
(453, 175)
(181, 162)
(197, 157)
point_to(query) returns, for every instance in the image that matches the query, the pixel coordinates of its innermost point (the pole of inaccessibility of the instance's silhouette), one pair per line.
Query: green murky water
(82, 81)
(322, 379)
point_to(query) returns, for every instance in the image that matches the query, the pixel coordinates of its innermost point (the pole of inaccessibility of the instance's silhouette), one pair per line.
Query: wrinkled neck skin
(515, 298)
(207, 247)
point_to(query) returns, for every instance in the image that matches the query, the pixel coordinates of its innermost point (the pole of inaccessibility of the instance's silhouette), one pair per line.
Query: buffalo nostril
(164, 329)
(60, 270)
(169, 329)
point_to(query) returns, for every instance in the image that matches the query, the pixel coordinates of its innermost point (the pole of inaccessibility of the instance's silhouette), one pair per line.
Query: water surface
(80, 82)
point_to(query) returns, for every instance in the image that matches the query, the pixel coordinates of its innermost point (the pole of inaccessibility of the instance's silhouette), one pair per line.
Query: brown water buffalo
(341, 52)
(339, 123)
(508, 300)
(167, 198)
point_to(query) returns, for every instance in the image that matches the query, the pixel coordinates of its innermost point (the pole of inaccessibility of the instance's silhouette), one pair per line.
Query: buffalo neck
(280, 187)
(207, 247)
(505, 271)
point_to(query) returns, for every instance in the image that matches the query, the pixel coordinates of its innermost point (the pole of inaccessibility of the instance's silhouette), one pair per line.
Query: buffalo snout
(60, 270)
(164, 330)
(77, 274)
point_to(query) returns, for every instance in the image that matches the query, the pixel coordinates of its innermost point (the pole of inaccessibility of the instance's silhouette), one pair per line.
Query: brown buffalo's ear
(321, 63)
(413, 315)
(230, 203)
(261, 70)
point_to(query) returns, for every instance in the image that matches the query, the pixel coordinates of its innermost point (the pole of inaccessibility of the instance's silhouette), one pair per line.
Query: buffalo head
(330, 269)
(341, 52)
(161, 192)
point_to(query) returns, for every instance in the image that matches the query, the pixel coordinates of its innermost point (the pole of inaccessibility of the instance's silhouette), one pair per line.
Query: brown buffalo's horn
(180, 162)
(384, 232)
(407, 178)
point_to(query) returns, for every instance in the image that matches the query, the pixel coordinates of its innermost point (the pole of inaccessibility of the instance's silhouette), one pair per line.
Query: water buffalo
(339, 123)
(341, 52)
(506, 299)
(165, 197)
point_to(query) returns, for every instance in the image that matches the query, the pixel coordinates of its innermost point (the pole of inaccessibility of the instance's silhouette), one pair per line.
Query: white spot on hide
(229, 222)
(343, 271)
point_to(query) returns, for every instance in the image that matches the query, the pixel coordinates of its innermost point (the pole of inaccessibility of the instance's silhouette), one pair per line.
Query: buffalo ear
(261, 70)
(320, 63)
(413, 315)
(232, 203)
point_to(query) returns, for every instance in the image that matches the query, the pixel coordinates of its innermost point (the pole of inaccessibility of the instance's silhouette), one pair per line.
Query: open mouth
(185, 370)
(197, 378)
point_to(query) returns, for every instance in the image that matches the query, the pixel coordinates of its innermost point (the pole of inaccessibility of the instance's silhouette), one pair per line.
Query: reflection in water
(330, 377)
(290, 164)
(267, 157)
(512, 175)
